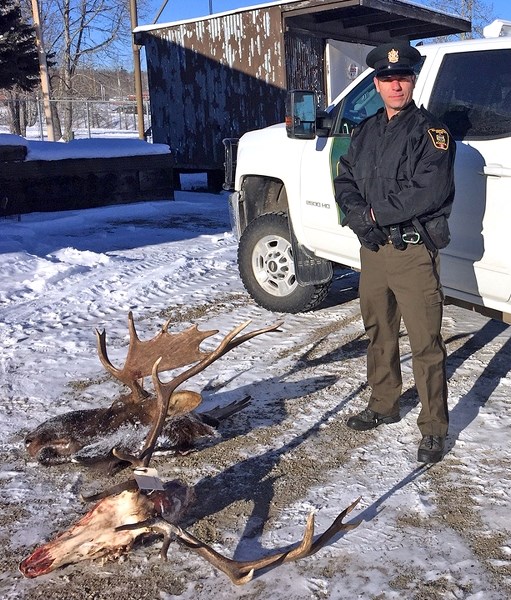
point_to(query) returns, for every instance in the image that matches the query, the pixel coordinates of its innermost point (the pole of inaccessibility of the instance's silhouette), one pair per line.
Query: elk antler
(171, 403)
(240, 572)
(176, 350)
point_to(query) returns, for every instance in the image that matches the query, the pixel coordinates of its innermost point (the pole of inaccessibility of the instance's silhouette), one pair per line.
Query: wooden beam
(43, 69)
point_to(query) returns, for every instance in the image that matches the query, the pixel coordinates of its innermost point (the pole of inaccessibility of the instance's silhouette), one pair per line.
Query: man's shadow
(252, 481)
(468, 407)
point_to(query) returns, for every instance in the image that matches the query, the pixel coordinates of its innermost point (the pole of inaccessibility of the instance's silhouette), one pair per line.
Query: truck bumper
(234, 213)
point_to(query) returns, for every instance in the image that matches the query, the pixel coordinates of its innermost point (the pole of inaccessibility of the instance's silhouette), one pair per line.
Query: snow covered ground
(442, 532)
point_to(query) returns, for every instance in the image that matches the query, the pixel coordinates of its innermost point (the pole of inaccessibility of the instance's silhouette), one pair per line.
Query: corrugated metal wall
(305, 63)
(215, 78)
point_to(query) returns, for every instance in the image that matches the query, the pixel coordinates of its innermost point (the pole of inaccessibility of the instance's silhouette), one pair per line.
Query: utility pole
(137, 70)
(43, 68)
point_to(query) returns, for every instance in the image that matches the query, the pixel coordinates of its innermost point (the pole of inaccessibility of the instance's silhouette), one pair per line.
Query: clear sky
(502, 9)
(188, 9)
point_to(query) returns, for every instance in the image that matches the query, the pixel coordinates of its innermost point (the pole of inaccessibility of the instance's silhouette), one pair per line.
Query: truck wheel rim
(273, 266)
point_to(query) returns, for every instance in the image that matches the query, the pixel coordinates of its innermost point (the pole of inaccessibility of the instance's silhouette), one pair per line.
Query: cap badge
(393, 56)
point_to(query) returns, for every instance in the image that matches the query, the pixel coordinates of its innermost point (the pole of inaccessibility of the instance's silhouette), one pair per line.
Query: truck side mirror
(301, 114)
(324, 123)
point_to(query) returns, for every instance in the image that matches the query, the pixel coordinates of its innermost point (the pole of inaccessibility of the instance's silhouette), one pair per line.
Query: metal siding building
(209, 78)
(219, 76)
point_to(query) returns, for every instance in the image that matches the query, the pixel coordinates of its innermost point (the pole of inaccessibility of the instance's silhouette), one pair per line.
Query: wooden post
(137, 70)
(43, 68)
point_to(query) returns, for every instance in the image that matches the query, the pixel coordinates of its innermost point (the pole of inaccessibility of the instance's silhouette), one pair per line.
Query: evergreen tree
(19, 62)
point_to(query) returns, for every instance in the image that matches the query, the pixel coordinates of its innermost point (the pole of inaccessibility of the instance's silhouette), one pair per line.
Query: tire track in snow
(156, 281)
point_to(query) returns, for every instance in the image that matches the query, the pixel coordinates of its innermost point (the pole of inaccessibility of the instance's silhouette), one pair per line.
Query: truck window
(363, 101)
(472, 94)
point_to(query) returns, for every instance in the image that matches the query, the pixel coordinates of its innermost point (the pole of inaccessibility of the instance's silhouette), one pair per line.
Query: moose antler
(88, 436)
(172, 403)
(175, 350)
(125, 512)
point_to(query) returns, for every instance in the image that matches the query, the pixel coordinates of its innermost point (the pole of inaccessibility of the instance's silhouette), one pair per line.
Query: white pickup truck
(283, 206)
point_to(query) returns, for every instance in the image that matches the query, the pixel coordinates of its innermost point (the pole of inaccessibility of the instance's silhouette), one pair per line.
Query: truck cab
(284, 208)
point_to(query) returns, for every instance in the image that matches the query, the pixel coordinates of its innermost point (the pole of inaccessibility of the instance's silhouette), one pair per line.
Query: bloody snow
(438, 532)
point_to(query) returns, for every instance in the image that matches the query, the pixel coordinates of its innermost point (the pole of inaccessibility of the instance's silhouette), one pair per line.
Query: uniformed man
(395, 189)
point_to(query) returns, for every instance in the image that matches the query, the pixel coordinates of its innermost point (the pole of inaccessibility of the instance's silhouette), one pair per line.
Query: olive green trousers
(405, 284)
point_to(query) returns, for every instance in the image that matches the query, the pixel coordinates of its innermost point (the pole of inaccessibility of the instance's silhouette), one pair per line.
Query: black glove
(360, 222)
(373, 239)
(368, 232)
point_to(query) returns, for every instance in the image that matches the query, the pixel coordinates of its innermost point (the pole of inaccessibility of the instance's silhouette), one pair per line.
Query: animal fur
(89, 436)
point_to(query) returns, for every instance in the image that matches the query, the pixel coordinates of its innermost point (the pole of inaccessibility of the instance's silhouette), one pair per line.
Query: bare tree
(480, 12)
(22, 110)
(81, 33)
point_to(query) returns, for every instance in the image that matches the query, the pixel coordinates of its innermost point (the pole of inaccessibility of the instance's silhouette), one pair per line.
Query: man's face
(396, 91)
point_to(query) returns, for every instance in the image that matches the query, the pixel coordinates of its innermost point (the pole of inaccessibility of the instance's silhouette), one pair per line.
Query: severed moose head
(89, 436)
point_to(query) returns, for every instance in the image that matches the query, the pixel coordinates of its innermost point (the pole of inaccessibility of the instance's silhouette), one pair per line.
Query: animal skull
(97, 534)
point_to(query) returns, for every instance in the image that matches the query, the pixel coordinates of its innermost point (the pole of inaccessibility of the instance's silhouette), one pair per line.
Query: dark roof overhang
(370, 21)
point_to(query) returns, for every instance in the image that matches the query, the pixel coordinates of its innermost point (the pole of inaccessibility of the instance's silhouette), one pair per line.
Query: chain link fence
(89, 118)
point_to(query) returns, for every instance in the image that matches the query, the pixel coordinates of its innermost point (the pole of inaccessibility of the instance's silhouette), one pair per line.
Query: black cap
(395, 58)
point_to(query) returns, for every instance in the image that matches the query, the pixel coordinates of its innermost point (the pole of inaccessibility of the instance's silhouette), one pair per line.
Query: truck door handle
(496, 171)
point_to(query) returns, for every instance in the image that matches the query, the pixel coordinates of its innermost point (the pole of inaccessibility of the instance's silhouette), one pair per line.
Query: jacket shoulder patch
(440, 138)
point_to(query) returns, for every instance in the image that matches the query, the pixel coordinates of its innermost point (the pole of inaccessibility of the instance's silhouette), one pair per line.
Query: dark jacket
(402, 168)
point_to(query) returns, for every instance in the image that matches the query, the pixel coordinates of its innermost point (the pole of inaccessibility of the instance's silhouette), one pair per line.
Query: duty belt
(402, 234)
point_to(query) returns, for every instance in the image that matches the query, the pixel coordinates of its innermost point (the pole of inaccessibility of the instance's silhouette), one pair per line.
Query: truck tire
(265, 261)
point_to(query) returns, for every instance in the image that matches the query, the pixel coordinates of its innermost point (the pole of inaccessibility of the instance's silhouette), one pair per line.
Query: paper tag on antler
(147, 478)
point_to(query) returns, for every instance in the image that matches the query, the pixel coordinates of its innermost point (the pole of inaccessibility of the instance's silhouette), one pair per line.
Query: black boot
(368, 419)
(431, 449)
